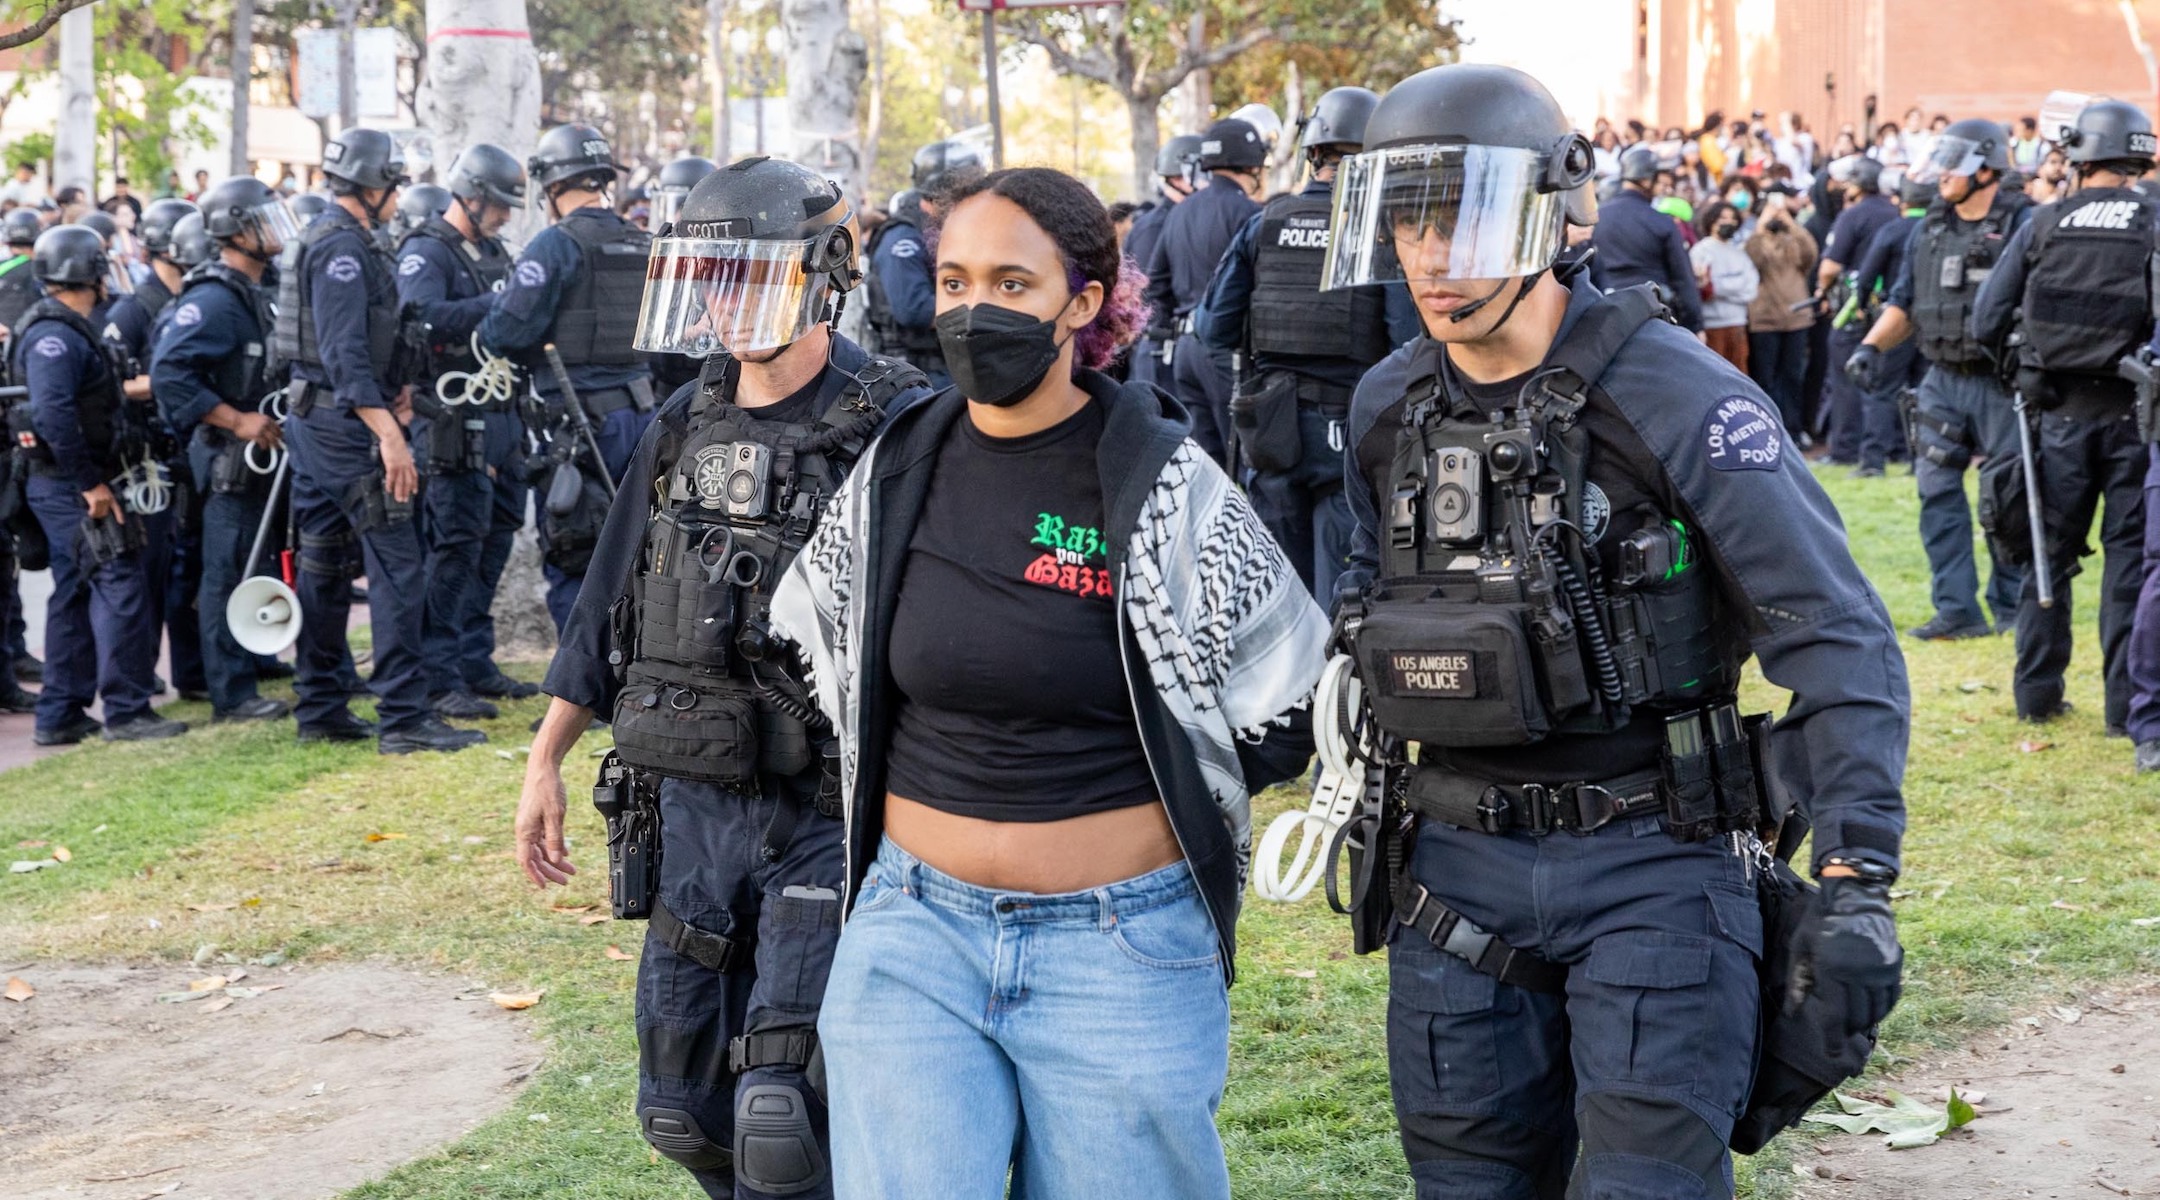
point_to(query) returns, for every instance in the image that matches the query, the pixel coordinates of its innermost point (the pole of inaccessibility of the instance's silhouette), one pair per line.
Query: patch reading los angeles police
(530, 273)
(50, 347)
(1742, 435)
(187, 314)
(344, 268)
(1433, 674)
(411, 264)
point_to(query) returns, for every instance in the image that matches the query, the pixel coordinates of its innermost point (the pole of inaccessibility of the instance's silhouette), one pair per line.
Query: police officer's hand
(401, 407)
(400, 478)
(102, 504)
(1851, 959)
(1861, 368)
(541, 853)
(137, 388)
(259, 429)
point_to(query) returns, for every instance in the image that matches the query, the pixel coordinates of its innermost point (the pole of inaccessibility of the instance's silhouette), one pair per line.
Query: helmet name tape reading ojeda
(1469, 171)
(752, 262)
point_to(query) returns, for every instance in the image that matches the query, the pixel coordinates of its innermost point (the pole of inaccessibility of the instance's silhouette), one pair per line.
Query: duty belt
(1535, 808)
(1452, 933)
(714, 952)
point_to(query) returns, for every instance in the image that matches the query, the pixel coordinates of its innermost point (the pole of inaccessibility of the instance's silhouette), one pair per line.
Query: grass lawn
(2024, 870)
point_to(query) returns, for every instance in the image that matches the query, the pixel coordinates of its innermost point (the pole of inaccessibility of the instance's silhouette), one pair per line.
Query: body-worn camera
(735, 478)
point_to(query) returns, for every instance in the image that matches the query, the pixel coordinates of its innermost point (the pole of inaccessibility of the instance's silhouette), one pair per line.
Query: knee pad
(1637, 1147)
(676, 1134)
(776, 1145)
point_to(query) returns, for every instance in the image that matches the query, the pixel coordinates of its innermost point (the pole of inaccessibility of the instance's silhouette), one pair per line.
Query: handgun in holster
(2143, 369)
(107, 538)
(628, 803)
(368, 501)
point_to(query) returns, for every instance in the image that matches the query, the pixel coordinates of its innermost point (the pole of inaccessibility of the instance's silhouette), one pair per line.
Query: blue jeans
(1076, 1042)
(1981, 419)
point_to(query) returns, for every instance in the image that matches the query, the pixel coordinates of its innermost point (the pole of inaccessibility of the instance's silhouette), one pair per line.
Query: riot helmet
(942, 166)
(1913, 193)
(307, 206)
(486, 174)
(2110, 131)
(1264, 122)
(100, 223)
(21, 226)
(1472, 171)
(1638, 164)
(1866, 175)
(755, 259)
(1178, 155)
(74, 256)
(363, 158)
(1338, 121)
(1232, 144)
(573, 154)
(419, 204)
(191, 245)
(244, 204)
(157, 223)
(1963, 148)
(676, 180)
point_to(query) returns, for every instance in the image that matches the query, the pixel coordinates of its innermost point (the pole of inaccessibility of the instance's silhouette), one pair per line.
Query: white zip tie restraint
(273, 406)
(1338, 703)
(495, 382)
(145, 487)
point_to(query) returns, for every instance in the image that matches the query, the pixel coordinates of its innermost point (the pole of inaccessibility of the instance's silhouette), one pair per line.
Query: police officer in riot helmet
(1194, 237)
(1175, 164)
(723, 490)
(1638, 244)
(19, 290)
(1892, 389)
(70, 429)
(18, 283)
(2075, 279)
(417, 205)
(450, 266)
(209, 374)
(1545, 479)
(577, 287)
(305, 208)
(354, 479)
(674, 184)
(1963, 411)
(1302, 349)
(900, 301)
(1860, 431)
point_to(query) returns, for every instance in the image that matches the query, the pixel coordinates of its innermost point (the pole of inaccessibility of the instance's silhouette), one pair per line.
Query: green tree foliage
(30, 150)
(611, 48)
(144, 52)
(1367, 43)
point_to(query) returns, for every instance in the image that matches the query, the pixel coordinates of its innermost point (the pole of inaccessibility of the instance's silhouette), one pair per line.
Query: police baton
(2033, 516)
(578, 418)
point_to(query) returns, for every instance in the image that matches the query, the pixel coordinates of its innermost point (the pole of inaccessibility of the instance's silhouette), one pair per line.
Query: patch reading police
(1432, 674)
(344, 268)
(411, 264)
(1741, 435)
(709, 474)
(187, 314)
(50, 347)
(1303, 233)
(531, 272)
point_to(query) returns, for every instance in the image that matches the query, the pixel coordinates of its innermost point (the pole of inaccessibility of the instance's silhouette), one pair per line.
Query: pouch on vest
(1449, 672)
(1264, 412)
(687, 621)
(568, 539)
(686, 731)
(107, 539)
(784, 747)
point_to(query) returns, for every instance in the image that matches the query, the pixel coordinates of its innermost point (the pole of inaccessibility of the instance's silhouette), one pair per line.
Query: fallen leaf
(183, 997)
(236, 974)
(384, 837)
(252, 902)
(210, 908)
(2145, 922)
(208, 983)
(25, 866)
(1908, 1123)
(515, 1001)
(30, 844)
(2068, 1016)
(616, 953)
(1302, 974)
(594, 918)
(2066, 906)
(218, 1005)
(2034, 747)
(537, 1118)
(2117, 1069)
(19, 990)
(61, 853)
(572, 908)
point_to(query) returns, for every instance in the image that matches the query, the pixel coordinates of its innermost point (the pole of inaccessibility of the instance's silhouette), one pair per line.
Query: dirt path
(2070, 1109)
(329, 1080)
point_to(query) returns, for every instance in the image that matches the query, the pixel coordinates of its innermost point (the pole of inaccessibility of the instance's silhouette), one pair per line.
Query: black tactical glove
(1850, 959)
(1861, 367)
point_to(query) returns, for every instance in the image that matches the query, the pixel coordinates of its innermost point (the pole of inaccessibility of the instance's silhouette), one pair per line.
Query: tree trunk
(348, 66)
(716, 58)
(874, 126)
(75, 141)
(483, 79)
(1199, 88)
(243, 74)
(826, 62)
(1146, 140)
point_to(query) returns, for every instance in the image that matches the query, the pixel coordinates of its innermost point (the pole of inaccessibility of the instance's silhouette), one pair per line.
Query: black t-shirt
(1005, 639)
(800, 408)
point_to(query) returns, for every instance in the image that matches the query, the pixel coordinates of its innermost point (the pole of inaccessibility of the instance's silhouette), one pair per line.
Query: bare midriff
(1046, 857)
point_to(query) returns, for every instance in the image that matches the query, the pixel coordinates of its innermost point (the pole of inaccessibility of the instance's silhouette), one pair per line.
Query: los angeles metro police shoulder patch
(1740, 434)
(411, 264)
(531, 272)
(344, 268)
(187, 314)
(50, 346)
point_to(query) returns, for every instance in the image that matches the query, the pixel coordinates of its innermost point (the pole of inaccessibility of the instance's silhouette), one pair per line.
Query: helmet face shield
(273, 223)
(117, 280)
(666, 203)
(706, 296)
(1951, 156)
(1442, 212)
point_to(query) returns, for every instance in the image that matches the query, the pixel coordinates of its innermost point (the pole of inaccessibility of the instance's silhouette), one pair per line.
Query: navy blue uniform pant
(98, 639)
(456, 510)
(2144, 652)
(618, 435)
(1980, 422)
(715, 875)
(228, 532)
(1305, 507)
(1630, 1080)
(14, 629)
(507, 514)
(1848, 406)
(172, 568)
(2082, 461)
(1204, 388)
(330, 451)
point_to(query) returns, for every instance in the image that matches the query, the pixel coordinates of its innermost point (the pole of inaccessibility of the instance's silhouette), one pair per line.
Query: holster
(105, 539)
(1908, 407)
(369, 506)
(630, 804)
(457, 441)
(1374, 838)
(1264, 416)
(300, 396)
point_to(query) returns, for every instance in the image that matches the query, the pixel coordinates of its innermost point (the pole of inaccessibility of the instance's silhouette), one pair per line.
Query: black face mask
(997, 356)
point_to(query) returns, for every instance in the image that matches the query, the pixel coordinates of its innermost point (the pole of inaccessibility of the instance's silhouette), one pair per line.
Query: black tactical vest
(1492, 623)
(97, 408)
(705, 694)
(240, 380)
(18, 291)
(919, 346)
(154, 297)
(484, 266)
(292, 340)
(1290, 315)
(599, 311)
(2088, 293)
(1950, 262)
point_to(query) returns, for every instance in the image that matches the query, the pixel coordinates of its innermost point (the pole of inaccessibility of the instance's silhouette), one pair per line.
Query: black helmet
(1866, 175)
(751, 262)
(572, 152)
(1339, 119)
(421, 203)
(1481, 104)
(1231, 144)
(1964, 147)
(1177, 156)
(488, 174)
(157, 223)
(942, 166)
(684, 173)
(364, 158)
(1913, 193)
(1638, 164)
(2109, 131)
(102, 223)
(307, 206)
(73, 256)
(191, 245)
(21, 226)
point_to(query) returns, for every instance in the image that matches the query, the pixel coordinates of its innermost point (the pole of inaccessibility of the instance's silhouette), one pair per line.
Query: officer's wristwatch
(1864, 869)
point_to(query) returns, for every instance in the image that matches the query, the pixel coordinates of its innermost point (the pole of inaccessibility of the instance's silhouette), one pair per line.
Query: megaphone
(263, 615)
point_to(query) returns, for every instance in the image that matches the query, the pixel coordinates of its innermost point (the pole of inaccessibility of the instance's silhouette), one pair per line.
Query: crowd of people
(966, 565)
